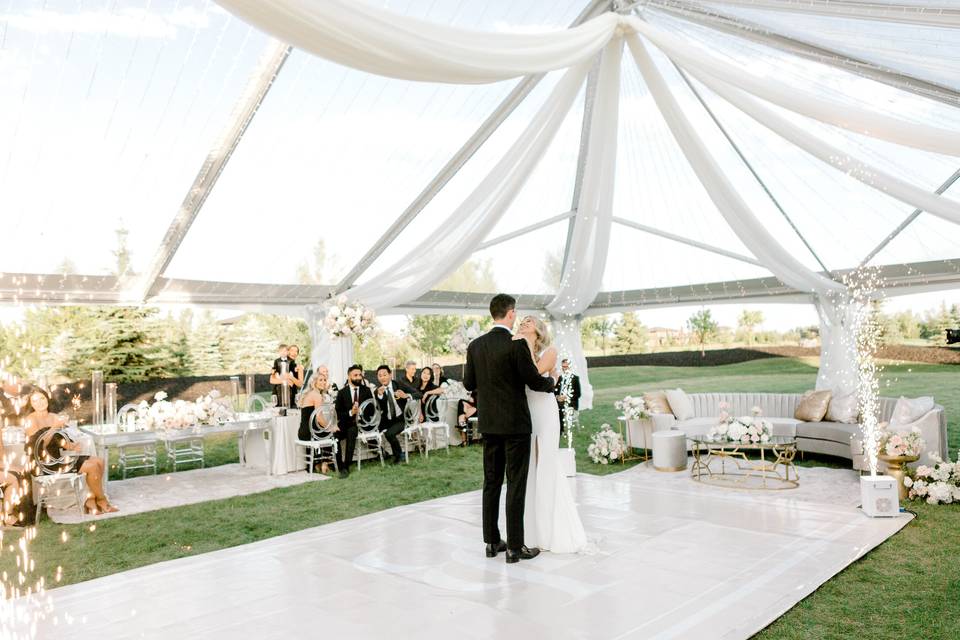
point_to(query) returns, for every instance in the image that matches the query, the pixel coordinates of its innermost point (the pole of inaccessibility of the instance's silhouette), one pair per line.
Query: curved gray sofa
(831, 438)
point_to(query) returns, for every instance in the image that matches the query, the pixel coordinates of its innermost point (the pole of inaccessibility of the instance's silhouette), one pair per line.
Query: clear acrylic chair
(139, 449)
(434, 425)
(413, 435)
(369, 438)
(322, 445)
(52, 487)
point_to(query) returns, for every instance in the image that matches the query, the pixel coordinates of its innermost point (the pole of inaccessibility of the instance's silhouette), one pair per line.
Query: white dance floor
(675, 560)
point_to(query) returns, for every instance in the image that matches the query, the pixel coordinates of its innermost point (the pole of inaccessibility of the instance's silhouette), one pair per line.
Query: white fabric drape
(723, 194)
(566, 337)
(335, 353)
(838, 352)
(583, 274)
(832, 112)
(440, 254)
(868, 174)
(358, 35)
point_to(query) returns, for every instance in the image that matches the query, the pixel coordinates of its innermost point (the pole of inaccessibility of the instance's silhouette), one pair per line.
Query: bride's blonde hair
(543, 336)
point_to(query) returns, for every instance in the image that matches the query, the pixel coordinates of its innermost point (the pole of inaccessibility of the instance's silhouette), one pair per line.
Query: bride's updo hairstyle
(543, 336)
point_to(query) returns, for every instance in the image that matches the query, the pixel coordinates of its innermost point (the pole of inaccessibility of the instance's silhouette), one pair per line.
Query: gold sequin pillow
(656, 402)
(813, 406)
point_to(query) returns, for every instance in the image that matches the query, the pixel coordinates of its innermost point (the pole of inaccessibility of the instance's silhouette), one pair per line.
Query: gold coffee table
(727, 464)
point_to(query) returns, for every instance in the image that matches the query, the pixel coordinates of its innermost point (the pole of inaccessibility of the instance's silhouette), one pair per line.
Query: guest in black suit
(409, 377)
(276, 379)
(392, 399)
(296, 369)
(499, 368)
(348, 404)
(567, 379)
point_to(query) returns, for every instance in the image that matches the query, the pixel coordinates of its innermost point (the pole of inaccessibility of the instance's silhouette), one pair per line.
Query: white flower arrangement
(454, 390)
(939, 484)
(181, 414)
(462, 336)
(632, 408)
(752, 429)
(605, 446)
(900, 443)
(345, 319)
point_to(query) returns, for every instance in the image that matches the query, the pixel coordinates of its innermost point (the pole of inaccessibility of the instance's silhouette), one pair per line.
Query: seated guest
(567, 392)
(276, 379)
(320, 393)
(466, 409)
(426, 388)
(44, 436)
(438, 374)
(410, 374)
(15, 491)
(296, 371)
(392, 400)
(348, 404)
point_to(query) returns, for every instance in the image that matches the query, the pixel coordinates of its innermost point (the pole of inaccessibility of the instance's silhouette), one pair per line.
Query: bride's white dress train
(550, 520)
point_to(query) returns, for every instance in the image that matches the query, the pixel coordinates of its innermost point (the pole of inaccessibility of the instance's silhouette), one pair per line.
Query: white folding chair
(321, 439)
(140, 450)
(433, 424)
(412, 433)
(369, 437)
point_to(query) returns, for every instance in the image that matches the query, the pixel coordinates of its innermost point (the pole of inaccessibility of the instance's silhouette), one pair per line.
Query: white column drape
(733, 208)
(359, 35)
(867, 122)
(438, 255)
(335, 353)
(587, 254)
(868, 174)
(838, 353)
(566, 336)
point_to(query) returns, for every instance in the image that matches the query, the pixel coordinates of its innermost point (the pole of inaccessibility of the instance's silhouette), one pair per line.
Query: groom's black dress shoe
(523, 553)
(494, 549)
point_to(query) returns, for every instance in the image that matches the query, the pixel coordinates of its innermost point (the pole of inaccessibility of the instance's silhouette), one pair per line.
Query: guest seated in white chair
(438, 377)
(392, 398)
(466, 409)
(15, 489)
(427, 387)
(320, 393)
(44, 436)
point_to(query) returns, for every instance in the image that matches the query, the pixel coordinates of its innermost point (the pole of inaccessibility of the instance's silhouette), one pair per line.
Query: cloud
(127, 23)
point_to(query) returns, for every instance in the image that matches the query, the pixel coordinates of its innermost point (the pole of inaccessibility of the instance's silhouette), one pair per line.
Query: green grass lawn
(909, 587)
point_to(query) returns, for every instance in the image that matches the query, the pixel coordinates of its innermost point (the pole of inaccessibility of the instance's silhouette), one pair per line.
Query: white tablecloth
(286, 459)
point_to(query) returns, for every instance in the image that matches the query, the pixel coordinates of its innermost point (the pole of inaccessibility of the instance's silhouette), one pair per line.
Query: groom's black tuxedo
(499, 368)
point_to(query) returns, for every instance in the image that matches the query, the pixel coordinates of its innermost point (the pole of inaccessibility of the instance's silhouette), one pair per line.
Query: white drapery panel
(583, 274)
(919, 13)
(335, 353)
(833, 112)
(358, 35)
(733, 208)
(838, 353)
(439, 255)
(868, 174)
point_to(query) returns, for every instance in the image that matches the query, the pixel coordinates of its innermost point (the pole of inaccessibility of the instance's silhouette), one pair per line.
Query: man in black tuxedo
(277, 379)
(498, 368)
(567, 391)
(348, 404)
(392, 399)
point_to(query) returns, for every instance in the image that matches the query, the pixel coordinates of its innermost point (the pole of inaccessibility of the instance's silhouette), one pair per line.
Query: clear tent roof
(109, 107)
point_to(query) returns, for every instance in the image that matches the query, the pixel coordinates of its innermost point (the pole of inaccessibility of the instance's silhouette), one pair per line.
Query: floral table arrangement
(632, 408)
(898, 449)
(605, 446)
(163, 414)
(462, 336)
(752, 429)
(346, 319)
(454, 390)
(939, 484)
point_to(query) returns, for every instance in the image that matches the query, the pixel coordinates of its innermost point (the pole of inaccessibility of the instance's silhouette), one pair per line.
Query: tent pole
(687, 241)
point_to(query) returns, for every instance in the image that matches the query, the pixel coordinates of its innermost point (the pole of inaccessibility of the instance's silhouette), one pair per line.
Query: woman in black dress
(427, 388)
(50, 447)
(321, 392)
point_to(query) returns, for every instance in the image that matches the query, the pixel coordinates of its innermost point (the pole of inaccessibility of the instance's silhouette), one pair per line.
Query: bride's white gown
(550, 519)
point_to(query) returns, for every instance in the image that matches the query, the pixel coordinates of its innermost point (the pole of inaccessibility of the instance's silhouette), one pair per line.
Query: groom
(498, 368)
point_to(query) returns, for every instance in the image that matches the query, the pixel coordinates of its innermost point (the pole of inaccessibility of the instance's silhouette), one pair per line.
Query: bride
(550, 521)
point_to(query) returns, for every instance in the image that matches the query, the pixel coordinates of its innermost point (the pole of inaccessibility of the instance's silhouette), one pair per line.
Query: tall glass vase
(110, 402)
(96, 396)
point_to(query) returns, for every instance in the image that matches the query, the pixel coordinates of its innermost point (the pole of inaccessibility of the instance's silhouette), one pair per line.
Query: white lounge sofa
(831, 438)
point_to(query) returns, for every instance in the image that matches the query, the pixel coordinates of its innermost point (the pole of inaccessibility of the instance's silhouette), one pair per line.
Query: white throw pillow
(680, 403)
(909, 410)
(843, 408)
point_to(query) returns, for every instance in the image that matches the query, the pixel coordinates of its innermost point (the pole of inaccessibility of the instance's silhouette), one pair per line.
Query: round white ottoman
(669, 450)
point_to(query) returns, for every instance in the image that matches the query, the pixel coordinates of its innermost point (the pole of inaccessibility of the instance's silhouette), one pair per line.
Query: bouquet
(180, 414)
(750, 429)
(345, 319)
(605, 446)
(939, 484)
(632, 408)
(900, 443)
(463, 336)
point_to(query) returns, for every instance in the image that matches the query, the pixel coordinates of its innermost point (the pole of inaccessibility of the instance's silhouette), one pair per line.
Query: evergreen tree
(117, 341)
(249, 346)
(630, 336)
(205, 343)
